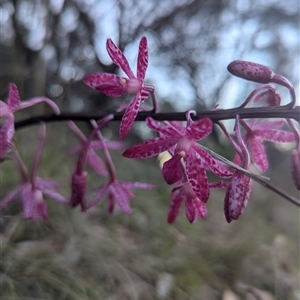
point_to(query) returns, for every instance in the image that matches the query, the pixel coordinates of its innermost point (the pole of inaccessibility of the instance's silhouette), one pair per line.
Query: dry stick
(260, 179)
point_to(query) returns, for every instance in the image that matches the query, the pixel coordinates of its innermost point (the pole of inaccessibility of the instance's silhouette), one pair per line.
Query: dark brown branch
(214, 115)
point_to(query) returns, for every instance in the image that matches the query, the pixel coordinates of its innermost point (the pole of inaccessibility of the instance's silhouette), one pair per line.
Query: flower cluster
(189, 161)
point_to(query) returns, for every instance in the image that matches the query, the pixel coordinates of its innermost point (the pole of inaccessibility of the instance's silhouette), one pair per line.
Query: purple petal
(171, 170)
(142, 59)
(34, 206)
(111, 203)
(122, 195)
(13, 101)
(118, 58)
(176, 201)
(213, 164)
(54, 195)
(5, 111)
(237, 196)
(150, 148)
(109, 84)
(6, 134)
(189, 210)
(269, 125)
(199, 129)
(46, 183)
(197, 176)
(276, 135)
(218, 185)
(258, 154)
(98, 196)
(78, 189)
(11, 197)
(199, 208)
(162, 128)
(96, 163)
(129, 116)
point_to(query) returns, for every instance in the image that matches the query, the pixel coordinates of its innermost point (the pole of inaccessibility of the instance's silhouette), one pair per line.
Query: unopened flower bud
(251, 71)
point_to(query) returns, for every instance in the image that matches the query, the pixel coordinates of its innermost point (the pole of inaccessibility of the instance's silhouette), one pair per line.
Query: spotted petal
(213, 164)
(258, 154)
(275, 135)
(121, 195)
(13, 98)
(142, 59)
(199, 208)
(109, 84)
(237, 196)
(189, 209)
(199, 129)
(163, 128)
(197, 176)
(129, 116)
(171, 170)
(150, 148)
(118, 58)
(176, 202)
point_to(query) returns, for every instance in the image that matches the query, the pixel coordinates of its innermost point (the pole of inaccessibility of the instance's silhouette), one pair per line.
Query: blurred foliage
(47, 46)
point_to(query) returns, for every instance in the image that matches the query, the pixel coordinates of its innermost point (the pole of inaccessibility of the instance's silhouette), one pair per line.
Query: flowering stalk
(189, 161)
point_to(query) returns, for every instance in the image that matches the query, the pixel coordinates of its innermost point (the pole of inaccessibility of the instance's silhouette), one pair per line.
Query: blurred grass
(96, 255)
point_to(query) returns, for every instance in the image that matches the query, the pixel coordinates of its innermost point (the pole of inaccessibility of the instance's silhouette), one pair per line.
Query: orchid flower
(268, 131)
(92, 159)
(117, 191)
(32, 188)
(184, 193)
(114, 86)
(186, 147)
(8, 110)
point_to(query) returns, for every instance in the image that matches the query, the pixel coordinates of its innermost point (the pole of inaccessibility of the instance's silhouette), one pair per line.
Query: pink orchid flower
(239, 189)
(114, 86)
(118, 192)
(8, 110)
(92, 159)
(186, 148)
(32, 188)
(268, 131)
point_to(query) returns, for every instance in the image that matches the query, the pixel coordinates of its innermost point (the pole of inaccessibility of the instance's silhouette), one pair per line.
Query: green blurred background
(47, 46)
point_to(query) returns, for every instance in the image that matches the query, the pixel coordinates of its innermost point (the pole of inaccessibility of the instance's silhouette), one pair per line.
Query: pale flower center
(132, 86)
